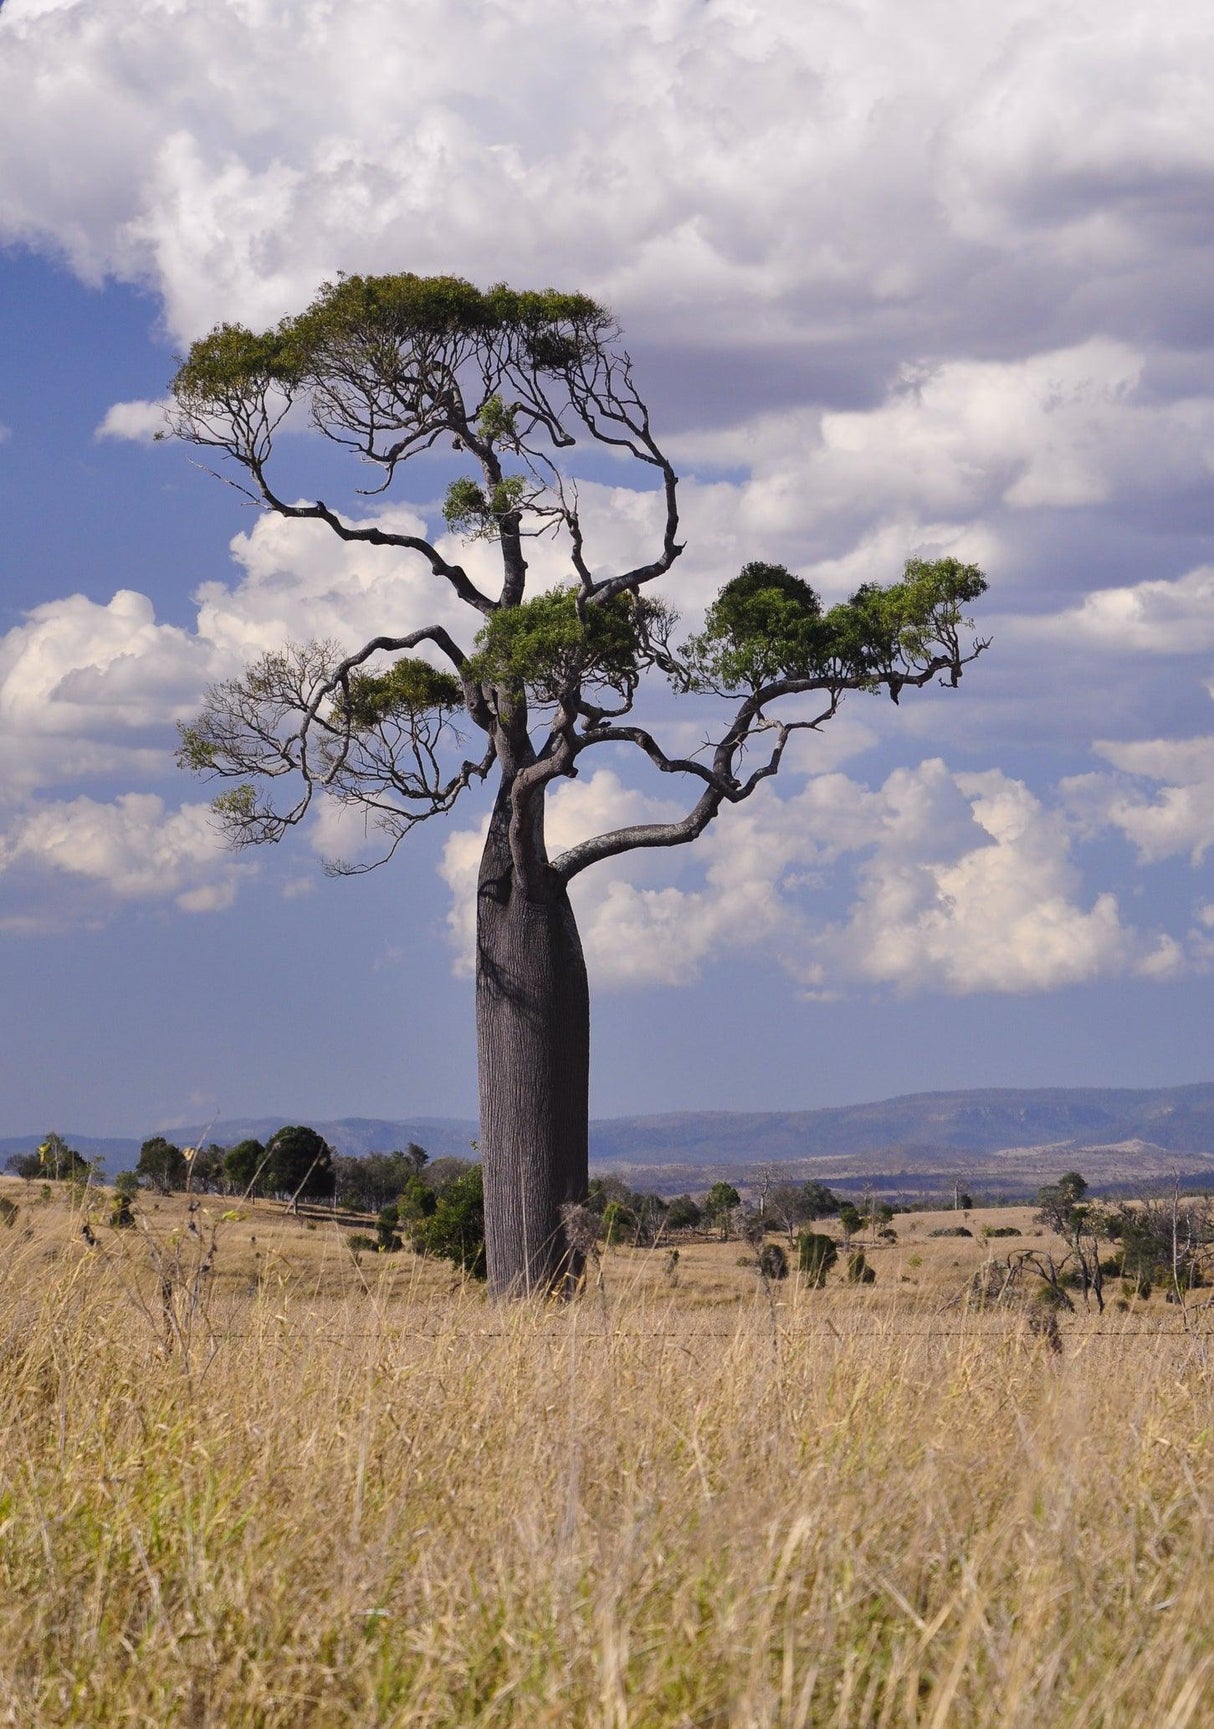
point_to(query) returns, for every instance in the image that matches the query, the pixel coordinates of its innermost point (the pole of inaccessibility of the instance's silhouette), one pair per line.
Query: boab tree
(390, 367)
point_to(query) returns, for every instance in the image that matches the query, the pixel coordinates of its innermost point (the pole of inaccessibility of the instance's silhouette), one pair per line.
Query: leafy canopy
(557, 642)
(767, 626)
(399, 330)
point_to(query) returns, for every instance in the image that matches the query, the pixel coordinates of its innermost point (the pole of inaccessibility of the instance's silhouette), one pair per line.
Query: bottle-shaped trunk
(533, 1046)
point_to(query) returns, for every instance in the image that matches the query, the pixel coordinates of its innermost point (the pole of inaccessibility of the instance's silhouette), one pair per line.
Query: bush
(386, 1234)
(455, 1230)
(816, 1255)
(951, 1231)
(858, 1270)
(999, 1231)
(772, 1262)
(359, 1243)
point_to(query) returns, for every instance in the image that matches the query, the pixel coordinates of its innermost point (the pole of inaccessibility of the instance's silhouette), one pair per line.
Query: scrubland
(301, 1490)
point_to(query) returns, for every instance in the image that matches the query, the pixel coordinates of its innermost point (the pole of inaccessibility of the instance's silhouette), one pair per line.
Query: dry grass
(353, 1496)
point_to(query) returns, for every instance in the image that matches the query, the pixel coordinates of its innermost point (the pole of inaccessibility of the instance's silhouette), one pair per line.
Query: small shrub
(773, 1262)
(8, 1210)
(360, 1244)
(951, 1231)
(816, 1255)
(387, 1237)
(858, 1270)
(1000, 1231)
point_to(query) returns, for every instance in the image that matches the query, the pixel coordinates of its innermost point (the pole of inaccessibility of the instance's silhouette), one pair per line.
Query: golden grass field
(355, 1494)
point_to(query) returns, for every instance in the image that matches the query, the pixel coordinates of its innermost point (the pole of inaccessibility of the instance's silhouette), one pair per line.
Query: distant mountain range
(1003, 1140)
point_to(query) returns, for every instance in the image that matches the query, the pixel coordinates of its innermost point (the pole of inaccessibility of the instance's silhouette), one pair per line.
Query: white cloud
(87, 690)
(140, 422)
(784, 172)
(1175, 817)
(132, 848)
(1152, 617)
(957, 883)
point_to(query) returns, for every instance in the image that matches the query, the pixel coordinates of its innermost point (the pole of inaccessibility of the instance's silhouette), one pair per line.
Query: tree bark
(533, 1049)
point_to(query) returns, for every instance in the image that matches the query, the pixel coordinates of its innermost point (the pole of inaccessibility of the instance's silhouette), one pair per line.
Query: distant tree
(720, 1203)
(820, 1202)
(207, 1170)
(455, 1230)
(244, 1165)
(537, 682)
(1058, 1204)
(54, 1161)
(816, 1255)
(299, 1164)
(683, 1214)
(162, 1166)
(786, 1205)
(851, 1219)
(365, 1184)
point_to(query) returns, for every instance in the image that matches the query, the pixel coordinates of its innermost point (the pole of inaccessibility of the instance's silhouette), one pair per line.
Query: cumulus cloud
(1173, 817)
(139, 422)
(812, 170)
(1154, 617)
(949, 882)
(133, 848)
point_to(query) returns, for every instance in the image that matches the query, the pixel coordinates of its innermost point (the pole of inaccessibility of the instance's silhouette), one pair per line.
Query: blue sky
(892, 286)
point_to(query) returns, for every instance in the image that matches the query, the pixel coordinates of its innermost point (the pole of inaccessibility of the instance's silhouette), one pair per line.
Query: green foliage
(403, 330)
(816, 1255)
(556, 641)
(819, 1201)
(300, 1162)
(471, 510)
(858, 1270)
(455, 1231)
(767, 625)
(373, 1181)
(416, 1202)
(407, 690)
(162, 1166)
(627, 1214)
(53, 1159)
(1061, 1205)
(683, 1214)
(387, 1237)
(720, 1203)
(241, 1165)
(851, 1218)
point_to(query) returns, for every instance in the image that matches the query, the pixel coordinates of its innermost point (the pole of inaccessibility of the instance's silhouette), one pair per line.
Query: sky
(896, 281)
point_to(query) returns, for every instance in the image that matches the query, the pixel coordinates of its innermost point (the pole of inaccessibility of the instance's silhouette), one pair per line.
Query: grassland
(315, 1491)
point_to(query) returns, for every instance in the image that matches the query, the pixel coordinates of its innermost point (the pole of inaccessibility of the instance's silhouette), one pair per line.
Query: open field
(315, 1491)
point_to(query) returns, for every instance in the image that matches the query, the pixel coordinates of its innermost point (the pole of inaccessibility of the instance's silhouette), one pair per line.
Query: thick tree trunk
(533, 1046)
